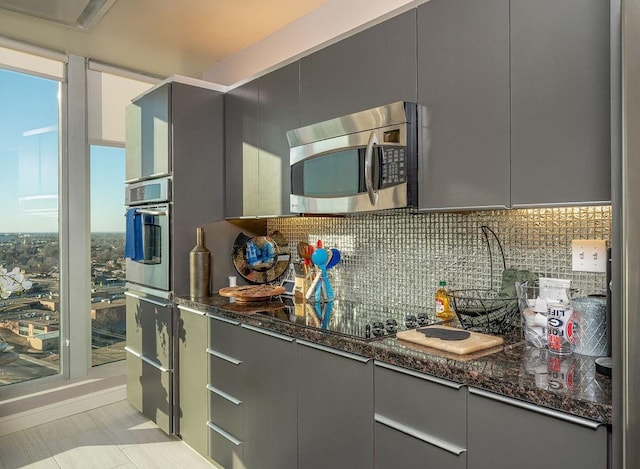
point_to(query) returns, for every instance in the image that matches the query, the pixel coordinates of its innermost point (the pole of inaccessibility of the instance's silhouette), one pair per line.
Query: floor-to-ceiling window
(109, 92)
(51, 109)
(108, 324)
(29, 226)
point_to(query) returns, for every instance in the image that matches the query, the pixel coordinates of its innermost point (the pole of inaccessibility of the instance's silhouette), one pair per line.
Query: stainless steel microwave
(361, 162)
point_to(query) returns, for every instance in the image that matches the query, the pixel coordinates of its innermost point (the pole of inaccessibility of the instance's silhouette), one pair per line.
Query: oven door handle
(146, 211)
(368, 168)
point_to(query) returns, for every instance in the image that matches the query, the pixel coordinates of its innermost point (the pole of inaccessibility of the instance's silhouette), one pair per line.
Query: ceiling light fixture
(80, 14)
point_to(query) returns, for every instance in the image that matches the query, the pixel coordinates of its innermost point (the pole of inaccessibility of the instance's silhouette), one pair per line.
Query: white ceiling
(159, 37)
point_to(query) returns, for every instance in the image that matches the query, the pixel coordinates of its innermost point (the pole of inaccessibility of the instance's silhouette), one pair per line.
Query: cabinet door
(560, 102)
(198, 177)
(335, 409)
(150, 390)
(241, 151)
(191, 375)
(148, 125)
(270, 414)
(372, 68)
(504, 434)
(463, 80)
(278, 112)
(421, 421)
(149, 328)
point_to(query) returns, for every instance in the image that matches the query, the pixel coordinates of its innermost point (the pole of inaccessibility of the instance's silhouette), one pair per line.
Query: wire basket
(487, 311)
(484, 310)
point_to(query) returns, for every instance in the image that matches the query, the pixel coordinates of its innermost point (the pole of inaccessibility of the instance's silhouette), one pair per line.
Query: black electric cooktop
(353, 319)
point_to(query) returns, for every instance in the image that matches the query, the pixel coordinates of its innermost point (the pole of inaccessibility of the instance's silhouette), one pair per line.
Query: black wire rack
(485, 310)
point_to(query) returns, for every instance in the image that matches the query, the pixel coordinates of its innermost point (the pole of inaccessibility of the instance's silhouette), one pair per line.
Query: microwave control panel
(393, 166)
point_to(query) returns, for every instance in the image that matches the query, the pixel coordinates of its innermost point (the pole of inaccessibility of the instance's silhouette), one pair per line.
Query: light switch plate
(589, 255)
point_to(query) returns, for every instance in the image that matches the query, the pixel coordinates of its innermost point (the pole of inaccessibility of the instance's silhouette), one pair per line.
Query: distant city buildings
(30, 321)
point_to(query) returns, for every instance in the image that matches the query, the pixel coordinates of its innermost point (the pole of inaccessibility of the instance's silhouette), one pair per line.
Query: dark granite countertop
(567, 384)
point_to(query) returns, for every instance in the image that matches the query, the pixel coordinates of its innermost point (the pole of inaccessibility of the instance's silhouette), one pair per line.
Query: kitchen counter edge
(499, 372)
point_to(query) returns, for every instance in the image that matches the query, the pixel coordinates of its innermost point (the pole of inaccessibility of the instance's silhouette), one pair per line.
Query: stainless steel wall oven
(147, 248)
(149, 299)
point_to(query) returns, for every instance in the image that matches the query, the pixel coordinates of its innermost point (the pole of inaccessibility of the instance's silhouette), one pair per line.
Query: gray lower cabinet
(335, 408)
(505, 433)
(420, 421)
(463, 80)
(252, 395)
(270, 413)
(225, 389)
(149, 358)
(374, 67)
(191, 376)
(560, 102)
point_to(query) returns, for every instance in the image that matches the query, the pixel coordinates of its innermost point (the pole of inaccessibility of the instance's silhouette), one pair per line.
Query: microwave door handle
(368, 168)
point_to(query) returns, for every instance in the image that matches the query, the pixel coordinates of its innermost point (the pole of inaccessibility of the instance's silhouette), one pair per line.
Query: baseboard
(33, 410)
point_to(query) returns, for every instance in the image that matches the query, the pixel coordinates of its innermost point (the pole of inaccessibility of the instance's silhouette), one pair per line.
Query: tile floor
(113, 436)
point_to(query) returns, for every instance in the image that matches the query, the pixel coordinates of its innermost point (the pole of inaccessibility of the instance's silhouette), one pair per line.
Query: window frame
(74, 218)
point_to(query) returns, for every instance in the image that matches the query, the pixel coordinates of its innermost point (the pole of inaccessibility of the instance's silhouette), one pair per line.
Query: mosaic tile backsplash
(397, 258)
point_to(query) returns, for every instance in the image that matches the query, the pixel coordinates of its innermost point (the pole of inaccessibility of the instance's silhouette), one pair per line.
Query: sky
(29, 161)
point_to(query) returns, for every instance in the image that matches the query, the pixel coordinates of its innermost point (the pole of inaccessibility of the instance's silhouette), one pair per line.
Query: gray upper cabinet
(258, 115)
(374, 67)
(560, 102)
(463, 80)
(278, 111)
(197, 155)
(148, 135)
(241, 151)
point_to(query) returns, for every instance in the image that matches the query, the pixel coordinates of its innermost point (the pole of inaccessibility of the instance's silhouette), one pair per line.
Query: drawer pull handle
(147, 360)
(537, 409)
(432, 379)
(224, 357)
(222, 433)
(268, 333)
(430, 439)
(218, 318)
(191, 310)
(147, 300)
(351, 356)
(224, 395)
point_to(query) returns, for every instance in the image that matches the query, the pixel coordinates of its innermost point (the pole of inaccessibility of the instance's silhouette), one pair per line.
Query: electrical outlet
(589, 255)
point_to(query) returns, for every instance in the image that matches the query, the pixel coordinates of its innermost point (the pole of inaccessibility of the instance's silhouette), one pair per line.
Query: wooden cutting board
(473, 343)
(252, 292)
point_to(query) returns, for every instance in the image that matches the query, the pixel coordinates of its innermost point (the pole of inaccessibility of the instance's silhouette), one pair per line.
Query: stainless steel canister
(592, 319)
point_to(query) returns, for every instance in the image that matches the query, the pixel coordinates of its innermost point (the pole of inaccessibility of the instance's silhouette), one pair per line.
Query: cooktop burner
(353, 319)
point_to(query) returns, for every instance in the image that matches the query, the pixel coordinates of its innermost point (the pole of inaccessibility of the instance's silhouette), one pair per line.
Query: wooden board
(251, 292)
(475, 342)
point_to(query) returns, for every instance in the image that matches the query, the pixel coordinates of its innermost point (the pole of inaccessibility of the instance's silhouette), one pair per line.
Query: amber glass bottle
(443, 310)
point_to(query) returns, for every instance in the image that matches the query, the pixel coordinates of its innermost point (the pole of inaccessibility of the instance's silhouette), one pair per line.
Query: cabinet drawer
(396, 449)
(225, 373)
(225, 411)
(149, 390)
(224, 336)
(149, 328)
(225, 448)
(429, 405)
(572, 442)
